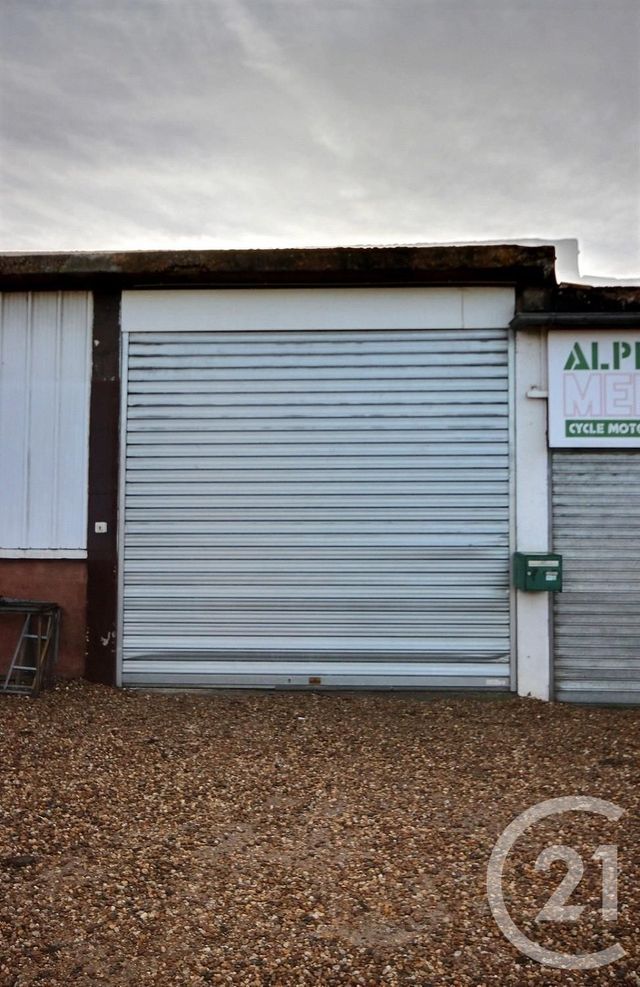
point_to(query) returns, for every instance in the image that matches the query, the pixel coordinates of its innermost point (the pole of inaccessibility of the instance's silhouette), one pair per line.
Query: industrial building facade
(312, 468)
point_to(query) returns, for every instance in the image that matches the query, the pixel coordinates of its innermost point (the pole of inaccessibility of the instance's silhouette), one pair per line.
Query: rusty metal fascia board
(505, 265)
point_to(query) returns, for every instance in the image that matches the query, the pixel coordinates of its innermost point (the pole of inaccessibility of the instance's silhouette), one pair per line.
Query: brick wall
(59, 581)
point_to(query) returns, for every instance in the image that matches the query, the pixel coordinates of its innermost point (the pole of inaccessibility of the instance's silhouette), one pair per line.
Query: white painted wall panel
(532, 512)
(14, 342)
(45, 341)
(281, 309)
(75, 360)
(42, 396)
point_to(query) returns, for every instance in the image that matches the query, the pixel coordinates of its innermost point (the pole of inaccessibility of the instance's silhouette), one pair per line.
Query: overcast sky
(221, 123)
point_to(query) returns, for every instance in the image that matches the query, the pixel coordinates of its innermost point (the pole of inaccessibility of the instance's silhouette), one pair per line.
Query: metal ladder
(31, 666)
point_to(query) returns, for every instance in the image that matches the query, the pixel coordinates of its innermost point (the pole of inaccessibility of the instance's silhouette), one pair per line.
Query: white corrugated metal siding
(303, 505)
(45, 350)
(596, 527)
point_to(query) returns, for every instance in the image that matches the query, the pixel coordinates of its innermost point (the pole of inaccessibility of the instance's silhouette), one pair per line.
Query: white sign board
(594, 389)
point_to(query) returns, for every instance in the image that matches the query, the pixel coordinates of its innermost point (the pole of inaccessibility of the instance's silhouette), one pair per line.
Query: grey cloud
(232, 122)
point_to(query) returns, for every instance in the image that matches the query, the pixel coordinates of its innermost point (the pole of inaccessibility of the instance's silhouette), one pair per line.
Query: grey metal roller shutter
(326, 505)
(596, 526)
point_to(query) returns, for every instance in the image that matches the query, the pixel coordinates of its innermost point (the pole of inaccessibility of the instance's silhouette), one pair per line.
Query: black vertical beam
(104, 463)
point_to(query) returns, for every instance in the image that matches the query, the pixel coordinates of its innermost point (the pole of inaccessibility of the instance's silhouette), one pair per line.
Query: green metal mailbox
(537, 572)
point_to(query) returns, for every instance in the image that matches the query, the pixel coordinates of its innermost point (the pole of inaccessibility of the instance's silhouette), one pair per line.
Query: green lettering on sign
(576, 360)
(602, 428)
(622, 355)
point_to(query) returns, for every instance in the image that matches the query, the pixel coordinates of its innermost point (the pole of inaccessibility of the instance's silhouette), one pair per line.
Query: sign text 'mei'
(602, 395)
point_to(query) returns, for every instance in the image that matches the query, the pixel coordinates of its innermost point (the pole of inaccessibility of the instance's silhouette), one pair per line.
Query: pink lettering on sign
(601, 395)
(618, 395)
(582, 395)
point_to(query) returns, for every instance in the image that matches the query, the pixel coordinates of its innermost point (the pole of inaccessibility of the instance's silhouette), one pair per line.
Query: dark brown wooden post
(104, 457)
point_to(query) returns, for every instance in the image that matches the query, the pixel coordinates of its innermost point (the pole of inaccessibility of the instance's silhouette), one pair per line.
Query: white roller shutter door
(326, 507)
(596, 527)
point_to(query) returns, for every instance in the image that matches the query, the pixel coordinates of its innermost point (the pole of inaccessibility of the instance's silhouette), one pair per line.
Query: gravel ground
(301, 839)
